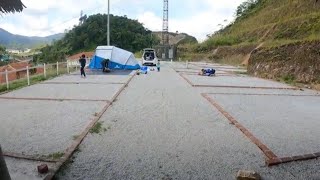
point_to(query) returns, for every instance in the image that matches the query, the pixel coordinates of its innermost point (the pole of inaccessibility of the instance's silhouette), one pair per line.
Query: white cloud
(150, 21)
(200, 24)
(195, 17)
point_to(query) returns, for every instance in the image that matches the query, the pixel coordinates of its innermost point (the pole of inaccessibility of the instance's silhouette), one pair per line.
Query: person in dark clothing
(82, 62)
(105, 65)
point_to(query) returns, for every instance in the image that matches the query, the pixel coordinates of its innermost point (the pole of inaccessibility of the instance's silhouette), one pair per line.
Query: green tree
(125, 33)
(247, 7)
(2, 49)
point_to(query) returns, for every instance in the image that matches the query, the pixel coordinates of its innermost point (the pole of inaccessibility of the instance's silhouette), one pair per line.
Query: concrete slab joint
(271, 158)
(70, 150)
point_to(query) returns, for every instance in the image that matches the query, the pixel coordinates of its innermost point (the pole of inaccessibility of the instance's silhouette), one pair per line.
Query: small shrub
(289, 79)
(97, 128)
(55, 156)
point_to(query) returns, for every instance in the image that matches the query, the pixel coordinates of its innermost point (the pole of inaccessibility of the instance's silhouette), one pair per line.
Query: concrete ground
(45, 119)
(161, 127)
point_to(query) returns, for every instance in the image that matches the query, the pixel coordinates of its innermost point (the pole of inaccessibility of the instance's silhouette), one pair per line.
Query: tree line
(125, 33)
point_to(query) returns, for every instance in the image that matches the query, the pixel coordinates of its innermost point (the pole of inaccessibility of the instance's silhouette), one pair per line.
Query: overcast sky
(195, 17)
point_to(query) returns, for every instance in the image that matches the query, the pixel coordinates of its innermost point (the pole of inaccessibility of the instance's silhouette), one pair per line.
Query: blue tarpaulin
(118, 58)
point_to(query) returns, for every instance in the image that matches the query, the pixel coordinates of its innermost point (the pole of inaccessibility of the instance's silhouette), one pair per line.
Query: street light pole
(108, 23)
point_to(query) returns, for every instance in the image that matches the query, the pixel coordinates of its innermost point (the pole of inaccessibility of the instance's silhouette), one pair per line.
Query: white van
(149, 57)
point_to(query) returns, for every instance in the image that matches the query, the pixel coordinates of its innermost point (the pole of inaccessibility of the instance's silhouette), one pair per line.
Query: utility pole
(81, 18)
(108, 35)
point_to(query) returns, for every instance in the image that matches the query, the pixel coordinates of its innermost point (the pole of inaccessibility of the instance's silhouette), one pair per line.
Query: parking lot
(172, 124)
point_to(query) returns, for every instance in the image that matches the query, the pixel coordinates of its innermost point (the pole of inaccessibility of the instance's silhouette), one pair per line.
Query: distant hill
(13, 41)
(177, 38)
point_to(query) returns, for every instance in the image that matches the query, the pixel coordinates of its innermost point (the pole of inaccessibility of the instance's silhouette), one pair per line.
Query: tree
(11, 6)
(125, 33)
(246, 8)
(2, 49)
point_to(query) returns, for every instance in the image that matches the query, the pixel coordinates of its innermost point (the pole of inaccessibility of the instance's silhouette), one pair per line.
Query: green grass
(288, 79)
(34, 79)
(75, 137)
(241, 73)
(55, 156)
(221, 41)
(97, 128)
(234, 60)
(138, 54)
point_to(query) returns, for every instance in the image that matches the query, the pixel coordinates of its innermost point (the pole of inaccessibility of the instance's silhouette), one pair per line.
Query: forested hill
(13, 41)
(125, 33)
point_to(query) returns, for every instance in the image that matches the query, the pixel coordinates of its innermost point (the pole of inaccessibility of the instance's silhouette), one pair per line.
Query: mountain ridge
(15, 41)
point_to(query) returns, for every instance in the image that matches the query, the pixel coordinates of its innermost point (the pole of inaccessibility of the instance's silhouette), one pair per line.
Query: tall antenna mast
(165, 26)
(81, 18)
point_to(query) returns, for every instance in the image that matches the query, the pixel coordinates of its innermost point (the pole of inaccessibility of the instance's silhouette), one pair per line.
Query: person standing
(82, 62)
(103, 64)
(158, 65)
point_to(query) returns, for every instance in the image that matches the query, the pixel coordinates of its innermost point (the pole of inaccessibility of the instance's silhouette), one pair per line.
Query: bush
(216, 41)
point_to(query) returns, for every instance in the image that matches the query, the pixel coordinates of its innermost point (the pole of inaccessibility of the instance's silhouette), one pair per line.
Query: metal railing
(26, 76)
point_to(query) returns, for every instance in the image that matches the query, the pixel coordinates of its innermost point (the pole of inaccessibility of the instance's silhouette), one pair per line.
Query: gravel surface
(69, 91)
(234, 81)
(257, 91)
(25, 170)
(103, 79)
(161, 128)
(43, 127)
(185, 70)
(289, 126)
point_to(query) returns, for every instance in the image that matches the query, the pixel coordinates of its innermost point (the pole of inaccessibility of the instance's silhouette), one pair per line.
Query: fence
(25, 77)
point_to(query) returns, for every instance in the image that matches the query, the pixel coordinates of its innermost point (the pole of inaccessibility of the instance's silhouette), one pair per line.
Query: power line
(70, 19)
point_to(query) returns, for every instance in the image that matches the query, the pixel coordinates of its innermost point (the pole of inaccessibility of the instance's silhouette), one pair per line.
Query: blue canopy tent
(119, 58)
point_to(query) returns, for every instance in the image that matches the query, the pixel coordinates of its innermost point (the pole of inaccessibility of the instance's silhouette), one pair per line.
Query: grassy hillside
(276, 39)
(275, 21)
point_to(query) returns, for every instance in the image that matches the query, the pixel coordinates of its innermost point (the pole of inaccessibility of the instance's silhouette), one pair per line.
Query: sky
(195, 17)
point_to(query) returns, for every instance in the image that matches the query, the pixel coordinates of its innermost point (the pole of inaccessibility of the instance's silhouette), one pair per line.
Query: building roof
(19, 65)
(77, 56)
(4, 68)
(14, 66)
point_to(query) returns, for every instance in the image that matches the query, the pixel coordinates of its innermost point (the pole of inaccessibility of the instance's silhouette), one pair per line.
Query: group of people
(145, 69)
(105, 67)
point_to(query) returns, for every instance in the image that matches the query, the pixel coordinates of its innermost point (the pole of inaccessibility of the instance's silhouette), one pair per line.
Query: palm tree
(11, 6)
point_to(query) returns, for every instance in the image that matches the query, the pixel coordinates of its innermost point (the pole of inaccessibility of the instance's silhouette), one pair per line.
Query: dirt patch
(300, 61)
